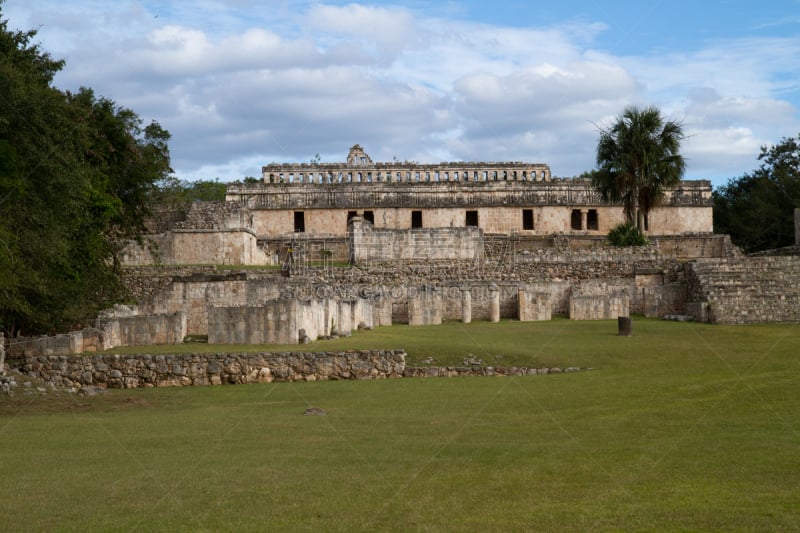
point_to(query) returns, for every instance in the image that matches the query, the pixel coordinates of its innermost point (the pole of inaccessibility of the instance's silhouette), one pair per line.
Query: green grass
(684, 427)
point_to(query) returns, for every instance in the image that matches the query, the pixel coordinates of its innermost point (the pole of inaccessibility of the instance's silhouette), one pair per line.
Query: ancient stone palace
(511, 197)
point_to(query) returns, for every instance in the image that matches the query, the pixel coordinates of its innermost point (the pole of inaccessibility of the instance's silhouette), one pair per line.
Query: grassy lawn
(683, 427)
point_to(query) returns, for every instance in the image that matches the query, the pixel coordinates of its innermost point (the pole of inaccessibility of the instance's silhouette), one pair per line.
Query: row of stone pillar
(426, 306)
(494, 305)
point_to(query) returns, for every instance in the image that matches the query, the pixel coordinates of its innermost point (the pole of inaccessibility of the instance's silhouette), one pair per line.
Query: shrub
(626, 235)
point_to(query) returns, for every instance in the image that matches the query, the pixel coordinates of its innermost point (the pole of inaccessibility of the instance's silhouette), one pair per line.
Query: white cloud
(382, 32)
(240, 83)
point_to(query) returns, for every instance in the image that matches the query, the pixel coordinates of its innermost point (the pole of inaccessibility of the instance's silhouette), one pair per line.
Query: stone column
(584, 214)
(494, 304)
(466, 306)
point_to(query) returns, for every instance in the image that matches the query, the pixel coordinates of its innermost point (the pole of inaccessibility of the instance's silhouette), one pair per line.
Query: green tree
(75, 172)
(638, 158)
(757, 209)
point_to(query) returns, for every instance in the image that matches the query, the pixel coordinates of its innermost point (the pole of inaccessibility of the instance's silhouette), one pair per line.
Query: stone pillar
(425, 307)
(384, 305)
(344, 326)
(355, 230)
(494, 304)
(466, 306)
(797, 225)
(584, 214)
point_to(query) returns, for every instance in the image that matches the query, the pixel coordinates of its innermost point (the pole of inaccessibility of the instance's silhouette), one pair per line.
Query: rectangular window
(527, 219)
(416, 219)
(591, 220)
(299, 222)
(369, 216)
(472, 218)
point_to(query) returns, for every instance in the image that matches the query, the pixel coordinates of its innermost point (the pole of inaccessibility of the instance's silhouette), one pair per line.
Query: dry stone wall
(124, 372)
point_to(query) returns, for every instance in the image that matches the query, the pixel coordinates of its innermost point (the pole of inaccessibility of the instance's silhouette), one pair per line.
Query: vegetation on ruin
(626, 234)
(757, 209)
(75, 174)
(684, 427)
(179, 194)
(638, 157)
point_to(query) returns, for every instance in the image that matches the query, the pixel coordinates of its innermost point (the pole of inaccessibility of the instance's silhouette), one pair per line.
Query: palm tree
(637, 158)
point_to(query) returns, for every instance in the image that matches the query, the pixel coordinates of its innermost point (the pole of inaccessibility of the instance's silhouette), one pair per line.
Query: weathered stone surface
(476, 370)
(745, 290)
(214, 369)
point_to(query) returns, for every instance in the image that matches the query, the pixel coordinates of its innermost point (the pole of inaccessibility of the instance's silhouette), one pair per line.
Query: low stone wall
(85, 340)
(288, 320)
(599, 300)
(124, 372)
(468, 371)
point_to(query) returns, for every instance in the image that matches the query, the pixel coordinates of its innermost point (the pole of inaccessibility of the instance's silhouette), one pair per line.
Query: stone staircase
(746, 290)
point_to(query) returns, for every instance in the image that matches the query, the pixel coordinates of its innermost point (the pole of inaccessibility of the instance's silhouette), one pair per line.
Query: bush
(626, 235)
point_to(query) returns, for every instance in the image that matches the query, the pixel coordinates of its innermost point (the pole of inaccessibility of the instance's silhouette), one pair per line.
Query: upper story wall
(360, 183)
(501, 193)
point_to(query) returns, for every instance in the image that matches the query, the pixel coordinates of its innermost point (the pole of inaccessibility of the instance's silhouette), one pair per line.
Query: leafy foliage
(757, 209)
(626, 234)
(75, 173)
(174, 192)
(637, 158)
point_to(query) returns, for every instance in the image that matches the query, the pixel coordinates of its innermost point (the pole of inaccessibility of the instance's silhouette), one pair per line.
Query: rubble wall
(116, 371)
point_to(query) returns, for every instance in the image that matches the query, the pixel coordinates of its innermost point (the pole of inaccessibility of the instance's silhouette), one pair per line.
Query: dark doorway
(369, 216)
(416, 219)
(299, 222)
(592, 221)
(527, 219)
(472, 218)
(575, 219)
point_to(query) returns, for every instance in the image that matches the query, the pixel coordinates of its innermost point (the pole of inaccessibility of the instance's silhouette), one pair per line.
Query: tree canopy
(638, 157)
(75, 175)
(757, 209)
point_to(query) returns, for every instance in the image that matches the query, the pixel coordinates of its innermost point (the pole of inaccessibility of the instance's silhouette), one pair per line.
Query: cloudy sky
(242, 83)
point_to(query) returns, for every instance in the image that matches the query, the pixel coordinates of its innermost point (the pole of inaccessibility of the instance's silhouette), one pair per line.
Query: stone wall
(503, 206)
(551, 272)
(368, 244)
(288, 321)
(197, 247)
(82, 341)
(599, 300)
(128, 328)
(116, 371)
(119, 326)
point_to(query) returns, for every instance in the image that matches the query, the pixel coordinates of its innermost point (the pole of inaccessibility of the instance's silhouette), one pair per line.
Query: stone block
(534, 306)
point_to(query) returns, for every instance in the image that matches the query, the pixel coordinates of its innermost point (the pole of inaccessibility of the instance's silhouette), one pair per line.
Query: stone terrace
(747, 290)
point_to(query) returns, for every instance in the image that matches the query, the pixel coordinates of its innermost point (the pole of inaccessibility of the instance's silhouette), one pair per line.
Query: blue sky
(242, 83)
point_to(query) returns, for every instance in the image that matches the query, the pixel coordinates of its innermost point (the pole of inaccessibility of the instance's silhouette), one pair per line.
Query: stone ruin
(474, 258)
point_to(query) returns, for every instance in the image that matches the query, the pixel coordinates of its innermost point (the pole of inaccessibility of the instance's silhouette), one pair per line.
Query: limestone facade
(317, 202)
(514, 197)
